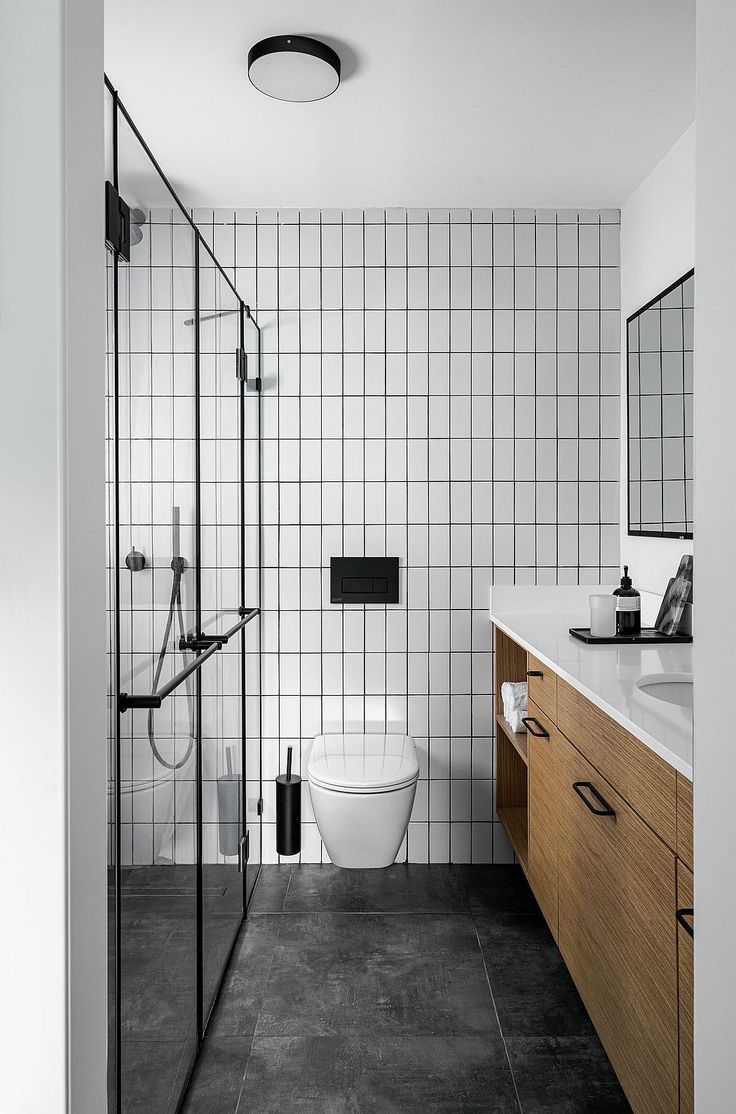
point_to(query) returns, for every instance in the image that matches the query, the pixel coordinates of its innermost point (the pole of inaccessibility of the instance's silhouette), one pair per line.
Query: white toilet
(362, 789)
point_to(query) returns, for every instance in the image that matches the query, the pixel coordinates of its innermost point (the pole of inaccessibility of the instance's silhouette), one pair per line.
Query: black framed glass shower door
(178, 622)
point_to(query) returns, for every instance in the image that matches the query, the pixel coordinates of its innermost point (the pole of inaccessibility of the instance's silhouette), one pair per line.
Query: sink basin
(673, 688)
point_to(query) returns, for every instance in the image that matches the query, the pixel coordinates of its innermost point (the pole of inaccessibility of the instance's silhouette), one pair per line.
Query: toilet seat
(363, 763)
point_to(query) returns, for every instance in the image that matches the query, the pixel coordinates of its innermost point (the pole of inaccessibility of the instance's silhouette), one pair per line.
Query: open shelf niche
(511, 753)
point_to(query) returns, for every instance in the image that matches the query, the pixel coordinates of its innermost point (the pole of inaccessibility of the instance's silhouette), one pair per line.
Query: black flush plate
(364, 580)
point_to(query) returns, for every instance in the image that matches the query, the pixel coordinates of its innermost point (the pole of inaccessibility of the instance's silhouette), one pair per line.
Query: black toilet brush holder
(288, 811)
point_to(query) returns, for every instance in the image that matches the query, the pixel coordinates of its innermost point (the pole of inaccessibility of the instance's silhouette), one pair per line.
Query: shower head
(212, 316)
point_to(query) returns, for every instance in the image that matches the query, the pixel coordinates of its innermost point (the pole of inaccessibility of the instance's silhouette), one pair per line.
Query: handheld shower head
(179, 564)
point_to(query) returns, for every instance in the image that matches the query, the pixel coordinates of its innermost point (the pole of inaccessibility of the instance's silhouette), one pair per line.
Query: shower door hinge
(117, 222)
(241, 364)
(241, 370)
(259, 807)
(244, 852)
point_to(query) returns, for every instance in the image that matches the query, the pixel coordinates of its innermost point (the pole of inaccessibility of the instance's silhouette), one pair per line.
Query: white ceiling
(547, 103)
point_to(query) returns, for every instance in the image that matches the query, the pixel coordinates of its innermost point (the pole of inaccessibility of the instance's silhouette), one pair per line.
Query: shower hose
(178, 566)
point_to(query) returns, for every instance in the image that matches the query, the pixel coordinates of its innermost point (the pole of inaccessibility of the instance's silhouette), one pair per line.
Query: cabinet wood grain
(542, 686)
(545, 791)
(686, 991)
(617, 933)
(685, 819)
(645, 780)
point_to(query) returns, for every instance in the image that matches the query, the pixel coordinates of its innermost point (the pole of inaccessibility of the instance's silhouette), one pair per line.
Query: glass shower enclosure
(183, 431)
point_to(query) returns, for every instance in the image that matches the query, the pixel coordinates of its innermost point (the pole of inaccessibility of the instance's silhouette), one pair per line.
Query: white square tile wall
(443, 387)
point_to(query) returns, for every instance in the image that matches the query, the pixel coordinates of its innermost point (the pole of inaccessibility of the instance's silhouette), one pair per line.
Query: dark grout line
(245, 1072)
(258, 1017)
(288, 887)
(498, 1019)
(370, 913)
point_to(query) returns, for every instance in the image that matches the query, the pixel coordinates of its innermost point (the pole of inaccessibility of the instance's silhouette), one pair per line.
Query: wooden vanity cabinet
(607, 848)
(616, 932)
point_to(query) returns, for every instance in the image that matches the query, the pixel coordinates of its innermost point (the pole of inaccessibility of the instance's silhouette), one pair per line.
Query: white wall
(52, 652)
(715, 556)
(657, 247)
(440, 386)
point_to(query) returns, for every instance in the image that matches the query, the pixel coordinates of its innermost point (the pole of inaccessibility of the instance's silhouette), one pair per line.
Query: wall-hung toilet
(362, 789)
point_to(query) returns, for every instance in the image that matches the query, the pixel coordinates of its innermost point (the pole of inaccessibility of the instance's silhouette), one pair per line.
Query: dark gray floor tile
(362, 973)
(377, 1073)
(403, 933)
(218, 934)
(237, 1009)
(218, 1077)
(401, 888)
(222, 888)
(565, 1075)
(159, 878)
(270, 891)
(158, 979)
(498, 889)
(532, 988)
(152, 1074)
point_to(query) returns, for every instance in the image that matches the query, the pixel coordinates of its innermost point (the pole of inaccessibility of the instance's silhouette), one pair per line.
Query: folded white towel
(515, 707)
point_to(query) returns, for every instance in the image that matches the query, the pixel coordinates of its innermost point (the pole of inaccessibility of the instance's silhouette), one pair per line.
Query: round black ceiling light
(294, 68)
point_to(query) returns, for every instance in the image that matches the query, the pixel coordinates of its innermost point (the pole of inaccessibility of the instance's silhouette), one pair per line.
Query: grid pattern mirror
(660, 413)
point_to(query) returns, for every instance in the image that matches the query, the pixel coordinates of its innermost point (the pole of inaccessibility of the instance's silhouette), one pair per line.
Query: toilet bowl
(362, 789)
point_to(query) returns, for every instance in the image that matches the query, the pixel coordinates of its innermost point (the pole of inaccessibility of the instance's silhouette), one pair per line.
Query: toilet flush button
(355, 584)
(364, 580)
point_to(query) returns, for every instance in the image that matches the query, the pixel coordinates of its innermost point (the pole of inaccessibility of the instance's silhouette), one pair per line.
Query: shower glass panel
(179, 504)
(223, 604)
(158, 747)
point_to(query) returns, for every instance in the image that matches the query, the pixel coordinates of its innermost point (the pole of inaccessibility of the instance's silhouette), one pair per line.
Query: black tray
(649, 636)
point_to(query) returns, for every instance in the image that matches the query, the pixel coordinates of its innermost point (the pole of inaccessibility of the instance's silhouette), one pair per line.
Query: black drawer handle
(681, 914)
(534, 673)
(578, 786)
(528, 721)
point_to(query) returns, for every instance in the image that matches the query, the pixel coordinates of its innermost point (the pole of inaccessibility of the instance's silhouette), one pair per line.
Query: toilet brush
(288, 811)
(228, 808)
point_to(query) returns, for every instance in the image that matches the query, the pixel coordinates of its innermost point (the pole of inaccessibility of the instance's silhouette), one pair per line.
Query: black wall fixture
(364, 580)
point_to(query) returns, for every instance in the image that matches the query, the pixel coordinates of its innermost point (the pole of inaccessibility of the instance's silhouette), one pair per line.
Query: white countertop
(539, 618)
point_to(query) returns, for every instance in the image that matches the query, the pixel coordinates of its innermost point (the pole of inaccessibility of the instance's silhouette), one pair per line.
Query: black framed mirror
(659, 365)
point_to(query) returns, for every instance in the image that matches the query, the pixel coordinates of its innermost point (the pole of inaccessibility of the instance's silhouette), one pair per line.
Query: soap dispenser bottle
(628, 606)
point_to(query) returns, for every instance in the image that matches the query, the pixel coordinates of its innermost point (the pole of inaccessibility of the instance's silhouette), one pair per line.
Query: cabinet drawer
(639, 775)
(617, 932)
(542, 686)
(685, 969)
(544, 808)
(685, 820)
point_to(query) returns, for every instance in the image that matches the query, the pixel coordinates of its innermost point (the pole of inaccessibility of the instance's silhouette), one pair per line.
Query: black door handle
(528, 721)
(681, 914)
(534, 673)
(578, 786)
